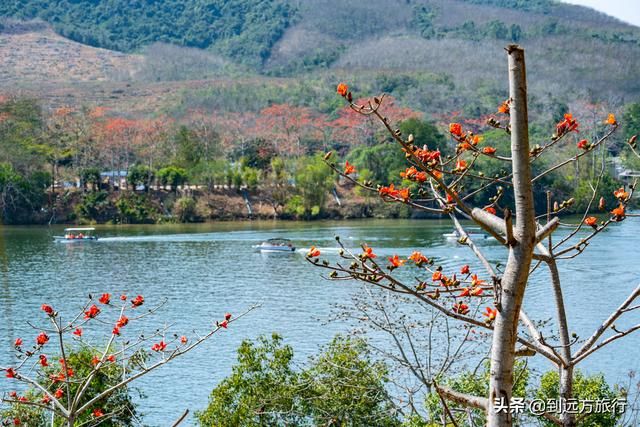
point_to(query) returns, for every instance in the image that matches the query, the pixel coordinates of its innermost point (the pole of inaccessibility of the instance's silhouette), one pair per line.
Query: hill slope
(433, 55)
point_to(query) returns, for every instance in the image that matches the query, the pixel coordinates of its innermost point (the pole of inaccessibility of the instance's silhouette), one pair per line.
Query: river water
(205, 270)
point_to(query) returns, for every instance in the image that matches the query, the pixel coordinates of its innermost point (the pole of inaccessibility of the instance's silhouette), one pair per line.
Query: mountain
(433, 55)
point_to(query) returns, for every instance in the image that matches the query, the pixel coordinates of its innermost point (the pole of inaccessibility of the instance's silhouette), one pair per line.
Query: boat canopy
(80, 229)
(278, 241)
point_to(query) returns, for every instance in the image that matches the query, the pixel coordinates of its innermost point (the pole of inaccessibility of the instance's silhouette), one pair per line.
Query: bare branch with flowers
(67, 389)
(526, 234)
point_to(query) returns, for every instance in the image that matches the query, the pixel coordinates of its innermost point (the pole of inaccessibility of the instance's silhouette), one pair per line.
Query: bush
(584, 388)
(94, 206)
(341, 386)
(185, 209)
(135, 209)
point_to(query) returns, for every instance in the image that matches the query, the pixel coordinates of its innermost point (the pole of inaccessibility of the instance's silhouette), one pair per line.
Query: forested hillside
(241, 29)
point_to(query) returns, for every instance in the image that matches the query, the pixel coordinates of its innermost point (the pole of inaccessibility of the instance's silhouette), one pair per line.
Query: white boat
(275, 245)
(473, 235)
(77, 234)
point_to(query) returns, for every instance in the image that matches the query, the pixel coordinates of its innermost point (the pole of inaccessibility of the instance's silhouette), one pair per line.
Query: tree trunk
(514, 280)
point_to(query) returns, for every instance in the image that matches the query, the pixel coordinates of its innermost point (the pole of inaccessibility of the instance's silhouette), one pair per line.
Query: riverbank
(187, 205)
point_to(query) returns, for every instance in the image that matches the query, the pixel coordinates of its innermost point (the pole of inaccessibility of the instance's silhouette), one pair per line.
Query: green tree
(140, 175)
(584, 388)
(341, 386)
(172, 176)
(313, 182)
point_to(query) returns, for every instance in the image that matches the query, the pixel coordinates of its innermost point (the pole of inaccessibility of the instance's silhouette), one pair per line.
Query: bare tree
(527, 235)
(74, 398)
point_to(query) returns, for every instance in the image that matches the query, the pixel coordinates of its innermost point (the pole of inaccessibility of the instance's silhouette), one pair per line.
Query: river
(205, 270)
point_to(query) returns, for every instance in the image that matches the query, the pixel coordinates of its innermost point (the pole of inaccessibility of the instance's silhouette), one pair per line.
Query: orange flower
(620, 194)
(591, 221)
(342, 89)
(98, 413)
(583, 144)
(461, 165)
(137, 301)
(111, 358)
(368, 252)
(105, 299)
(601, 204)
(313, 252)
(504, 108)
(455, 129)
(409, 173)
(618, 213)
(611, 120)
(92, 312)
(464, 269)
(437, 173)
(477, 282)
(450, 198)
(404, 194)
(460, 308)
(396, 261)
(418, 258)
(476, 139)
(569, 124)
(476, 292)
(77, 332)
(437, 275)
(420, 176)
(490, 209)
(349, 168)
(58, 393)
(489, 151)
(42, 339)
(465, 292)
(388, 191)
(183, 339)
(161, 346)
(490, 314)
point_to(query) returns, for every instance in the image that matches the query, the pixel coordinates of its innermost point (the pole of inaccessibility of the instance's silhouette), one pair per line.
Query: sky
(625, 10)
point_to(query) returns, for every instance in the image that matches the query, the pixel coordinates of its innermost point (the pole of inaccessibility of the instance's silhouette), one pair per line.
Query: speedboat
(275, 245)
(72, 235)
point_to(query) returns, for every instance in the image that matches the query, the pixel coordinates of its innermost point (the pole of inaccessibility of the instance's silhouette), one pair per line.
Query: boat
(77, 234)
(275, 245)
(473, 235)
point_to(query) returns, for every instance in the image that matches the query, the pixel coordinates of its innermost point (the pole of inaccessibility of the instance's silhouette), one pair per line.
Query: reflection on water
(208, 269)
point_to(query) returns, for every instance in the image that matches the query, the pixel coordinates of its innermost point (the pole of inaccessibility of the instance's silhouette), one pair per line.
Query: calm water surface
(205, 270)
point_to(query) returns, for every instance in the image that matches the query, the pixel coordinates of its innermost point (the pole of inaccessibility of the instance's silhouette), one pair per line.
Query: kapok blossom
(349, 168)
(42, 339)
(342, 89)
(418, 258)
(396, 261)
(368, 252)
(591, 221)
(92, 312)
(160, 346)
(490, 314)
(105, 299)
(455, 129)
